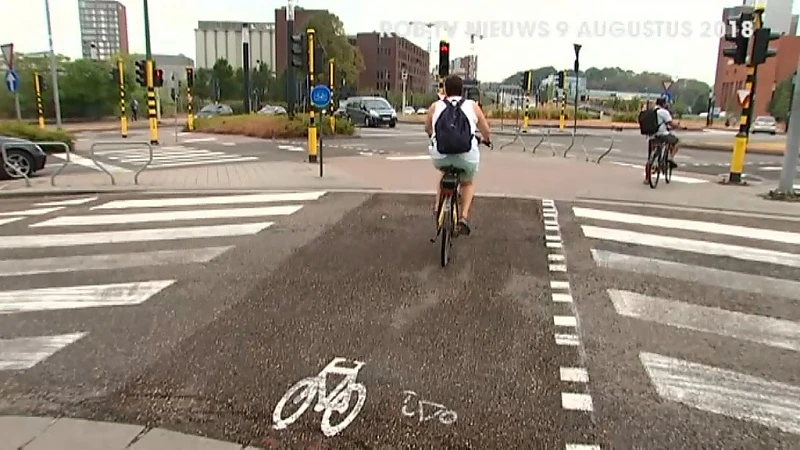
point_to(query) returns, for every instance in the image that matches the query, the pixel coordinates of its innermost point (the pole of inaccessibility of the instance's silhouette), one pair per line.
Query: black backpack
(648, 122)
(453, 130)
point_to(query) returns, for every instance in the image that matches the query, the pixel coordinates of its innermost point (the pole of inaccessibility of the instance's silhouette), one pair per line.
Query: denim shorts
(470, 168)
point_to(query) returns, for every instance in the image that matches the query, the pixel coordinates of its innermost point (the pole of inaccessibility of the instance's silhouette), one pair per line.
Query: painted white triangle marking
(725, 392)
(78, 297)
(24, 353)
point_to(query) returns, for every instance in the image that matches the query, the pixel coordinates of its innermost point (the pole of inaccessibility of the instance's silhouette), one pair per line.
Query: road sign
(12, 80)
(321, 96)
(743, 95)
(8, 54)
(667, 84)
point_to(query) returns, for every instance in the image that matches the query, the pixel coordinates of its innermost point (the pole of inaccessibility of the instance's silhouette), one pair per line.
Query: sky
(679, 38)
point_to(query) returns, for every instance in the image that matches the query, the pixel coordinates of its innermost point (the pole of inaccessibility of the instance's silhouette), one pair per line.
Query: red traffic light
(445, 48)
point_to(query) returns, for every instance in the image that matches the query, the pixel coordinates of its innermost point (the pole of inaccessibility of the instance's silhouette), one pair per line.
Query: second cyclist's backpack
(648, 121)
(453, 130)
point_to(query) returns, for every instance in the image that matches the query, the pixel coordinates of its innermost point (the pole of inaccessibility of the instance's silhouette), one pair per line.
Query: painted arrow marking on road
(725, 392)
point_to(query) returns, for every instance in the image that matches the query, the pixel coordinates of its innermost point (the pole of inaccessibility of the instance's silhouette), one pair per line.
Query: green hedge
(540, 114)
(33, 133)
(626, 117)
(269, 127)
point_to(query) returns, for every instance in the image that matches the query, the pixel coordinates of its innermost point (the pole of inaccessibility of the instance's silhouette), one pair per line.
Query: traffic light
(189, 77)
(740, 42)
(761, 50)
(562, 80)
(158, 78)
(299, 56)
(526, 81)
(141, 74)
(444, 59)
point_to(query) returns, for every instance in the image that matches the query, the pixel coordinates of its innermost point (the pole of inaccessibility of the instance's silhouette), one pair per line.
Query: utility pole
(53, 66)
(291, 82)
(790, 155)
(577, 48)
(246, 65)
(152, 111)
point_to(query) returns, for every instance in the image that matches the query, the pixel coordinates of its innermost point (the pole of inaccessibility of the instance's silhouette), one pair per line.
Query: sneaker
(463, 227)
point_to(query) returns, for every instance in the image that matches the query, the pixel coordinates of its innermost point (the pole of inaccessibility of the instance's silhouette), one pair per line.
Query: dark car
(28, 157)
(371, 111)
(214, 109)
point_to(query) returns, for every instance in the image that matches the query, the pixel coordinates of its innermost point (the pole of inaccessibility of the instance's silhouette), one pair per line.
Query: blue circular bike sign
(321, 96)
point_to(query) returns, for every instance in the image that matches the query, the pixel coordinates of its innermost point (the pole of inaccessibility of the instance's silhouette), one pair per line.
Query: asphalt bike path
(359, 339)
(691, 325)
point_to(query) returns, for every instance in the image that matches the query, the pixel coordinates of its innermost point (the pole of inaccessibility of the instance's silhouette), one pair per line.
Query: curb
(714, 147)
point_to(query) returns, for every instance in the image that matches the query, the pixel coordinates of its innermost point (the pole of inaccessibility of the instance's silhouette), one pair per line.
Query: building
(730, 78)
(570, 81)
(301, 17)
(223, 40)
(104, 28)
(173, 65)
(386, 57)
(465, 67)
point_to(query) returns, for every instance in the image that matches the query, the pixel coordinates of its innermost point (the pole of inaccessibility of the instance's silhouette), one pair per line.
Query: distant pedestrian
(135, 110)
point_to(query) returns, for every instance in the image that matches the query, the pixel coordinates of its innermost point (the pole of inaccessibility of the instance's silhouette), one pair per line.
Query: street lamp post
(246, 65)
(53, 66)
(577, 48)
(291, 81)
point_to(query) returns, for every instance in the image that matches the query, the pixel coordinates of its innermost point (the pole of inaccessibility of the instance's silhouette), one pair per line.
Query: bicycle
(657, 162)
(306, 390)
(449, 209)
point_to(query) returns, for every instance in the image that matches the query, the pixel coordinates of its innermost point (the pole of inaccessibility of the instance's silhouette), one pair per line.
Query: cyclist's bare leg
(467, 192)
(438, 192)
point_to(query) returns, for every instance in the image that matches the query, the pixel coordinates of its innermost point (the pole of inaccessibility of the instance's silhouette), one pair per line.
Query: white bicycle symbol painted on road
(445, 416)
(305, 390)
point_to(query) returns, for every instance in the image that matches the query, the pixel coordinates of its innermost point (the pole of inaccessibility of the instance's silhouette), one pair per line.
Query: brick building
(730, 78)
(301, 17)
(385, 58)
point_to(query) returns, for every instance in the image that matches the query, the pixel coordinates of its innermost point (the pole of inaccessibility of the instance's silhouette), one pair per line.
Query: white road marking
(24, 353)
(748, 327)
(571, 340)
(558, 268)
(697, 274)
(725, 392)
(561, 298)
(292, 148)
(145, 235)
(72, 202)
(216, 200)
(409, 158)
(64, 264)
(201, 163)
(677, 178)
(169, 216)
(689, 225)
(87, 162)
(555, 257)
(565, 321)
(691, 245)
(582, 447)
(10, 220)
(208, 139)
(78, 297)
(229, 144)
(574, 375)
(30, 212)
(576, 402)
(559, 284)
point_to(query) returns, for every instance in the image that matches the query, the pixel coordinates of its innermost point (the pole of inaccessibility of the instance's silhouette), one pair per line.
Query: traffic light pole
(527, 88)
(740, 141)
(149, 68)
(332, 85)
(37, 89)
(123, 116)
(291, 82)
(577, 48)
(312, 127)
(189, 100)
(246, 66)
(786, 187)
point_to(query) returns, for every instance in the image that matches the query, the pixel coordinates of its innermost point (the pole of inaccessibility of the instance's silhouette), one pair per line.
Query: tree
(226, 83)
(700, 104)
(329, 32)
(781, 99)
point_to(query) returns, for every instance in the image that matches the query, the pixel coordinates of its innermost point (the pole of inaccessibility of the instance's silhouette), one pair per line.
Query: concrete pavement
(690, 324)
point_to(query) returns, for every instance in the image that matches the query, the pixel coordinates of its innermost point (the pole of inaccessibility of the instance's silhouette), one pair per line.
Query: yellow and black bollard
(152, 115)
(562, 118)
(312, 128)
(123, 117)
(37, 90)
(331, 84)
(189, 100)
(527, 87)
(747, 102)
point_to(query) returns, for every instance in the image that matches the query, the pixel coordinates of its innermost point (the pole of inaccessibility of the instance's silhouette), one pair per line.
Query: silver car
(764, 124)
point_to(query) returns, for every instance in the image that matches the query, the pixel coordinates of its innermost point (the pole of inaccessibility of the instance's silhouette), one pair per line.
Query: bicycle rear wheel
(447, 230)
(654, 175)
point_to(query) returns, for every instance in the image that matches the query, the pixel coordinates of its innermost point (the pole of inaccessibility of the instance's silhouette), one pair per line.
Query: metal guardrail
(66, 163)
(123, 144)
(546, 136)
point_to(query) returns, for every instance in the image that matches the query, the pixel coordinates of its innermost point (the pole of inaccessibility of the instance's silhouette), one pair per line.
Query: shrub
(625, 117)
(541, 113)
(33, 133)
(268, 127)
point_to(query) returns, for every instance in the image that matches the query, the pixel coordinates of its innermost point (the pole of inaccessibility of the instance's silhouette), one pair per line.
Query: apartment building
(223, 40)
(104, 28)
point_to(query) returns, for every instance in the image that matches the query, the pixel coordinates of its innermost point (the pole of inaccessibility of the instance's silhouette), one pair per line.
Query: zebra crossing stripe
(689, 225)
(70, 202)
(128, 236)
(169, 216)
(9, 220)
(725, 392)
(215, 200)
(79, 297)
(30, 212)
(24, 353)
(776, 333)
(691, 245)
(195, 162)
(82, 263)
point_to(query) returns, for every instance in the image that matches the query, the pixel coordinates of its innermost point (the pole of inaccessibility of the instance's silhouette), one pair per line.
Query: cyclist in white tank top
(469, 161)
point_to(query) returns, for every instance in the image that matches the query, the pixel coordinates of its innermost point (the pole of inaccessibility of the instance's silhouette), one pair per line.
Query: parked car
(764, 124)
(272, 110)
(214, 109)
(422, 111)
(409, 111)
(371, 112)
(341, 111)
(28, 157)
